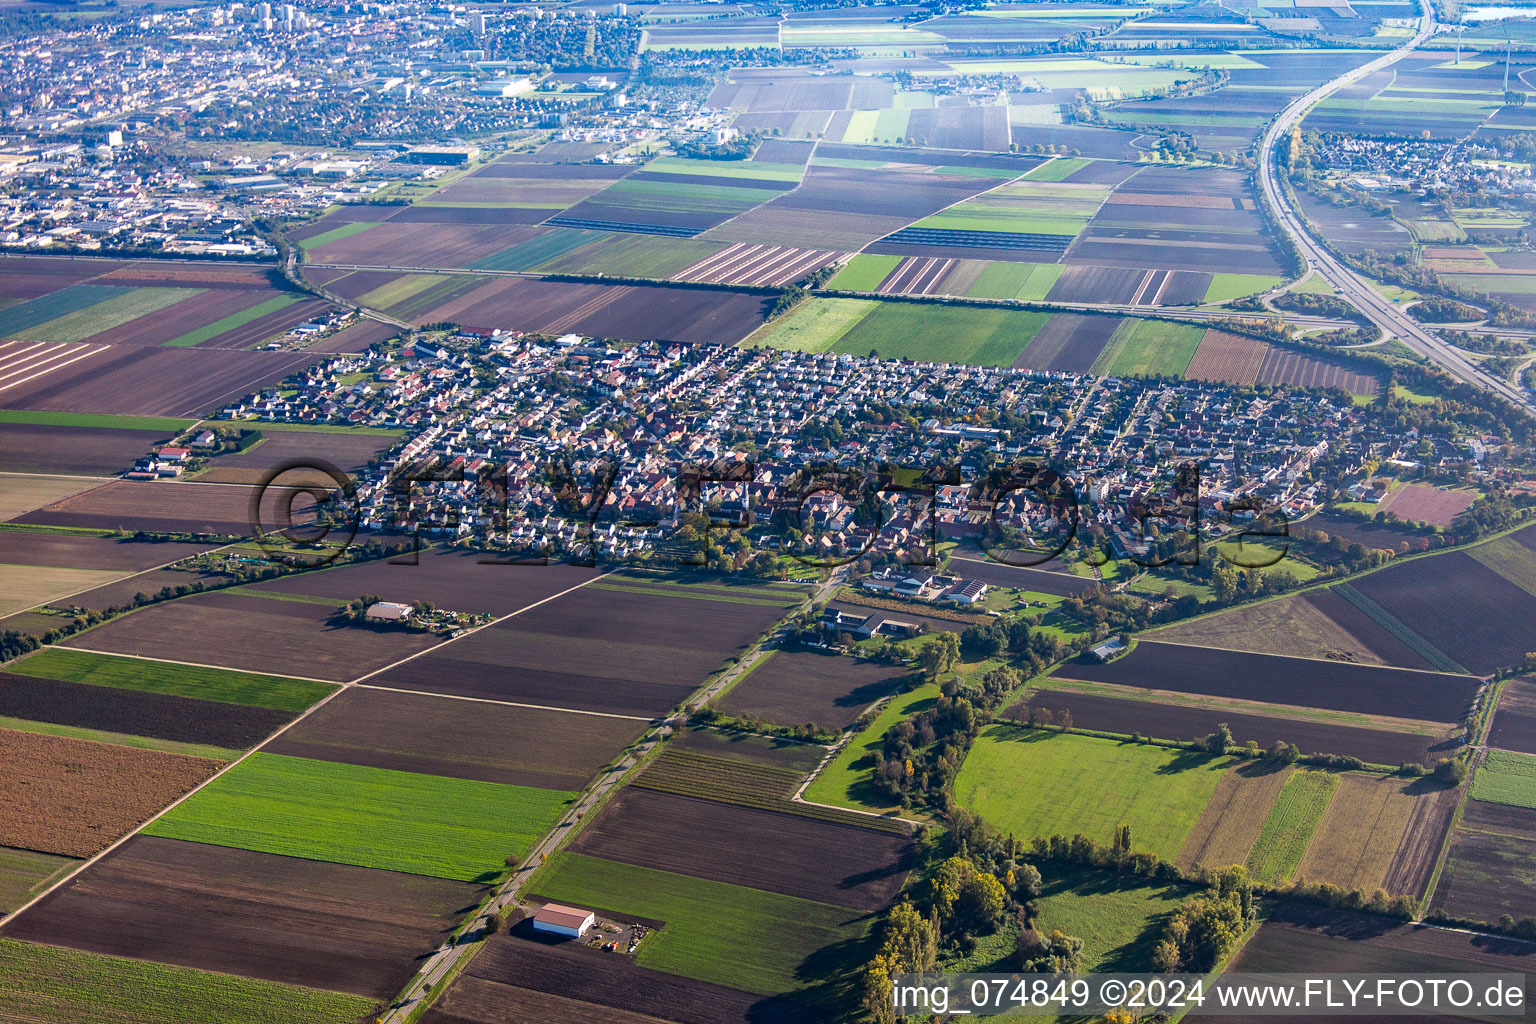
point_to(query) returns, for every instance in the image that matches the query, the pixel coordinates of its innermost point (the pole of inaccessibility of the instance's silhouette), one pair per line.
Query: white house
(559, 920)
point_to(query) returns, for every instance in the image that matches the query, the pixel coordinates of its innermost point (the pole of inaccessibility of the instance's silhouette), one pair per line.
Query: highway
(1353, 286)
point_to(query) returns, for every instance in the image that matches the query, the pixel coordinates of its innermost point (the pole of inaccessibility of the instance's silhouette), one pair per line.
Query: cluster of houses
(170, 461)
(924, 586)
(514, 407)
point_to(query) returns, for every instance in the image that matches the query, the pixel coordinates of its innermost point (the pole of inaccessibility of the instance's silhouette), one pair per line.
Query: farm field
(1514, 723)
(278, 919)
(56, 448)
(369, 817)
(74, 797)
(1149, 348)
(1087, 785)
(453, 578)
(235, 631)
(23, 493)
(1486, 876)
(1379, 833)
(518, 966)
(26, 586)
(1290, 825)
(1511, 558)
(135, 713)
(216, 509)
(813, 326)
(962, 334)
(625, 312)
(474, 1001)
(794, 687)
(715, 932)
(1230, 824)
(617, 652)
(458, 739)
(25, 873)
(1455, 603)
(1301, 938)
(161, 677)
(46, 984)
(748, 748)
(1302, 682)
(1316, 624)
(1506, 778)
(1132, 711)
(788, 854)
(129, 380)
(27, 547)
(1069, 343)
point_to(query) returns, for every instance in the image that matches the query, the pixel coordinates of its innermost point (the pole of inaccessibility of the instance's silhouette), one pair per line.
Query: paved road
(1384, 314)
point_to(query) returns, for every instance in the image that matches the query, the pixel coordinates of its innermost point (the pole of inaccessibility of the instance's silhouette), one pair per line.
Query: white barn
(559, 920)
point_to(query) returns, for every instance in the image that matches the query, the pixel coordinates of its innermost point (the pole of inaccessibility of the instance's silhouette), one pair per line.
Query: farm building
(561, 920)
(389, 611)
(1107, 650)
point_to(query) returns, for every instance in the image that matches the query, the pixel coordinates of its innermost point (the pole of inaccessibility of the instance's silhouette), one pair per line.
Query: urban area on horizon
(715, 512)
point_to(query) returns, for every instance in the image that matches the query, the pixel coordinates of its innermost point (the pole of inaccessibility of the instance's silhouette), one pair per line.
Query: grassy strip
(223, 685)
(1289, 826)
(682, 592)
(49, 983)
(370, 817)
(94, 420)
(335, 234)
(121, 739)
(726, 934)
(229, 323)
(327, 428)
(1387, 621)
(1292, 712)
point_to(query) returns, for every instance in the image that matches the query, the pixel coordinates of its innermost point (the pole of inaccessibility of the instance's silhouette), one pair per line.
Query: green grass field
(1026, 282)
(52, 985)
(1225, 287)
(1506, 778)
(633, 256)
(761, 170)
(1057, 169)
(335, 234)
(864, 273)
(845, 781)
(716, 932)
(24, 873)
(1289, 826)
(1118, 918)
(956, 334)
(232, 321)
(813, 326)
(224, 685)
(1024, 207)
(371, 817)
(96, 420)
(1149, 348)
(401, 289)
(1036, 783)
